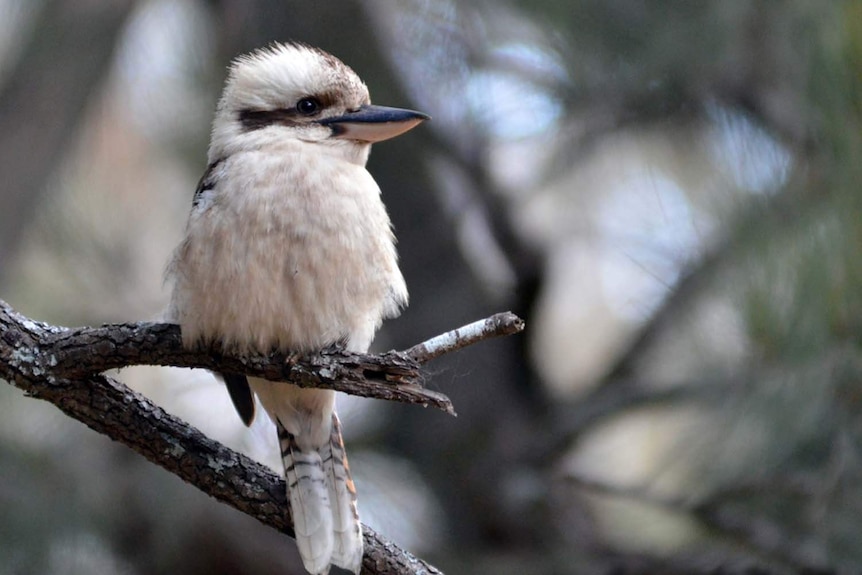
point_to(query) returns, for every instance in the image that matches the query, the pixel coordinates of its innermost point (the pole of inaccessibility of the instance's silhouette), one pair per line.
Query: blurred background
(667, 191)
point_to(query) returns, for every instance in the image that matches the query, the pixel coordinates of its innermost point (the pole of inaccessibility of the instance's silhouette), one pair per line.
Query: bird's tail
(347, 549)
(322, 502)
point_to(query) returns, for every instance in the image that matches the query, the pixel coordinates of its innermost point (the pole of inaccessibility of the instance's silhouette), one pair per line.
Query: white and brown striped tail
(322, 502)
(347, 548)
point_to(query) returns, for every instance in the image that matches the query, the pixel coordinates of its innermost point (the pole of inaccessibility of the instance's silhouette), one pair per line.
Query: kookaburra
(288, 246)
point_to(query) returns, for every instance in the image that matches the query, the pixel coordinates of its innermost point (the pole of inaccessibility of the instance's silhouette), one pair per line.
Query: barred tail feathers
(347, 530)
(308, 495)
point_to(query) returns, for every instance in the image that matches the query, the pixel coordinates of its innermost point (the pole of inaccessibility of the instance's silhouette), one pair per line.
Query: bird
(289, 247)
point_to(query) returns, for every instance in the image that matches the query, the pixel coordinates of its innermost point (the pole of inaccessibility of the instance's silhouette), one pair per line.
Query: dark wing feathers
(240, 395)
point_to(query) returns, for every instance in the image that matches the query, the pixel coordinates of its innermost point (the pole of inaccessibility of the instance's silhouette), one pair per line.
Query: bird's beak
(374, 123)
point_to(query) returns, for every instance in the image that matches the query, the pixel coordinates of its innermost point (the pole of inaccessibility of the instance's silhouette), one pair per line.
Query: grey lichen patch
(219, 464)
(176, 450)
(252, 491)
(327, 373)
(23, 357)
(31, 325)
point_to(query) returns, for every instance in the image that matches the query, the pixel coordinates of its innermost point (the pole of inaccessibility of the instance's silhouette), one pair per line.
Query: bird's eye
(307, 106)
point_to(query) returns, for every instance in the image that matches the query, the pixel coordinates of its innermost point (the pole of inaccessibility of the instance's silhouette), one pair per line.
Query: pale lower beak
(374, 123)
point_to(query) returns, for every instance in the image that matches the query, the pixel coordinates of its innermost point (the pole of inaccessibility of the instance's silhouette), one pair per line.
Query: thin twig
(505, 323)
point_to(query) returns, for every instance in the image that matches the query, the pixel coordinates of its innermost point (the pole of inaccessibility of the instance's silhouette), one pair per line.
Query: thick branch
(60, 365)
(78, 352)
(109, 407)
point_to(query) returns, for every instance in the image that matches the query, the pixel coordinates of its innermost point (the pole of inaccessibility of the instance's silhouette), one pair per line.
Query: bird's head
(294, 91)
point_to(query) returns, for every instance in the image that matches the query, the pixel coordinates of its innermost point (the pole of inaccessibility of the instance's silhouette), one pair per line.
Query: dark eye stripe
(258, 119)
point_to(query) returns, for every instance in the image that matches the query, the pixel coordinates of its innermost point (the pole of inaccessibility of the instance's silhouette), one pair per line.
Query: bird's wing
(240, 395)
(208, 181)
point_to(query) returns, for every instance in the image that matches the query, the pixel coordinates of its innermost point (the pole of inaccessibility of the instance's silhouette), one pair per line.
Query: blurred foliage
(667, 191)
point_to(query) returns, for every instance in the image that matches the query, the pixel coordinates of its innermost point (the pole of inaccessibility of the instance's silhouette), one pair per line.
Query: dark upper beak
(374, 123)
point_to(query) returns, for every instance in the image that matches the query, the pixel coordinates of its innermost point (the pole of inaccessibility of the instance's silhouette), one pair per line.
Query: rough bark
(62, 365)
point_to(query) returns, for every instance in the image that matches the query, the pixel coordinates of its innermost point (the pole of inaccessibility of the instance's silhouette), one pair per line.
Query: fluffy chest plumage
(288, 250)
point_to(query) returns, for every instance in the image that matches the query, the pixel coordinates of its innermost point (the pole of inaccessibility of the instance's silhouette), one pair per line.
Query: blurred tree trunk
(44, 99)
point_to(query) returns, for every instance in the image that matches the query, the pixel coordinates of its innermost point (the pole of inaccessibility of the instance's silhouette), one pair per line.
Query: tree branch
(61, 365)
(505, 323)
(392, 375)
